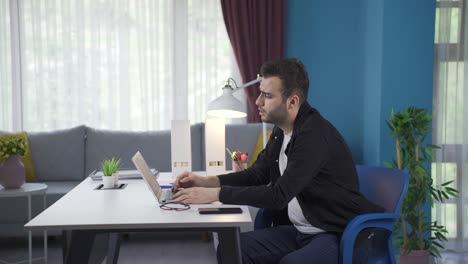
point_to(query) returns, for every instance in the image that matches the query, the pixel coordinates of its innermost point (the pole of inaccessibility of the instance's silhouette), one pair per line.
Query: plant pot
(115, 175)
(12, 173)
(414, 257)
(108, 181)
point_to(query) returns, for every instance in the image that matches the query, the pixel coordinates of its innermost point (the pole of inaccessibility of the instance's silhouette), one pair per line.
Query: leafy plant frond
(409, 128)
(110, 166)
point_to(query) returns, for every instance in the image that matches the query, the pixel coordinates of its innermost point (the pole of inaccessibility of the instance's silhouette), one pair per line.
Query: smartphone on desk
(220, 210)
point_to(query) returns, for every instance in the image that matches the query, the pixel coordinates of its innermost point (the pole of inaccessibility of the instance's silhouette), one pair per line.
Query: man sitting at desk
(305, 176)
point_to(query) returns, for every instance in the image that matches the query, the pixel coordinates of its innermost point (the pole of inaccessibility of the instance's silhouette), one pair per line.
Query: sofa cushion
(27, 158)
(57, 189)
(105, 144)
(11, 223)
(60, 188)
(154, 145)
(58, 155)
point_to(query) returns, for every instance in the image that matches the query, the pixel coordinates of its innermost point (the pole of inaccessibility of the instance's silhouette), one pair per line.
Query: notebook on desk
(161, 195)
(124, 174)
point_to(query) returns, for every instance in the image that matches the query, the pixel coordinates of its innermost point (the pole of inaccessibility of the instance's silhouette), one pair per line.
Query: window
(6, 96)
(450, 93)
(130, 65)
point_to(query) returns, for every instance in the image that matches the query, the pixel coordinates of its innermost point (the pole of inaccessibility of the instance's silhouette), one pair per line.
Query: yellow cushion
(27, 158)
(258, 146)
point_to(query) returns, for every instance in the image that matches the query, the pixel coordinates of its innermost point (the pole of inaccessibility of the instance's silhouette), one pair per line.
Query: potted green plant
(110, 169)
(416, 235)
(12, 171)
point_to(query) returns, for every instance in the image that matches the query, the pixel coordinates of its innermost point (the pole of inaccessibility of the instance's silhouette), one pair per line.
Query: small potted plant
(12, 171)
(110, 172)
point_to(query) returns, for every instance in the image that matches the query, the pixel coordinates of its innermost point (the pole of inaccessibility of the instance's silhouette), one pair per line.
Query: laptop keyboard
(167, 195)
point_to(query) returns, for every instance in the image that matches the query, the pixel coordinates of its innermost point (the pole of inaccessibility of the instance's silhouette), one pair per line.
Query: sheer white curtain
(451, 118)
(96, 62)
(211, 58)
(5, 68)
(111, 63)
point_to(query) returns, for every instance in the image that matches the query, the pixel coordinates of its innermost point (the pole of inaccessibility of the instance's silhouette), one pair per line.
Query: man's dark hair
(292, 74)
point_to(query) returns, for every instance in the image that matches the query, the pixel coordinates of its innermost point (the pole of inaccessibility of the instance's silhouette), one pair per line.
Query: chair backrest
(383, 186)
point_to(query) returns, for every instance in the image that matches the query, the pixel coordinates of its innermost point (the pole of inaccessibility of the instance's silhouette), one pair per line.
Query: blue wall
(328, 39)
(372, 80)
(407, 68)
(364, 58)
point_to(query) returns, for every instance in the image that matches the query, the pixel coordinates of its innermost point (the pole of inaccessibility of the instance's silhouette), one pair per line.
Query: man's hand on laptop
(188, 180)
(197, 195)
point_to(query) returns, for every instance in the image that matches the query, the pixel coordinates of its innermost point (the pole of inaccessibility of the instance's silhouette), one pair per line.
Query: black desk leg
(115, 239)
(229, 245)
(88, 246)
(77, 246)
(66, 235)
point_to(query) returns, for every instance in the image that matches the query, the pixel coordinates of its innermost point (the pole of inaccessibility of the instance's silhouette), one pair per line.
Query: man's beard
(276, 117)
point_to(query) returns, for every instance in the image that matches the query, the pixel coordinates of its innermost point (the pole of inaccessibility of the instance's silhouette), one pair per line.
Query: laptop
(162, 195)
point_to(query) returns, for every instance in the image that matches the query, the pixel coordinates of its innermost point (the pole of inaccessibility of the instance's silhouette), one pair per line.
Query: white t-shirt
(294, 209)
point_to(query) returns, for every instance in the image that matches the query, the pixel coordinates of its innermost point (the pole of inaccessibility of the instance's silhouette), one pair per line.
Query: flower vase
(12, 173)
(239, 165)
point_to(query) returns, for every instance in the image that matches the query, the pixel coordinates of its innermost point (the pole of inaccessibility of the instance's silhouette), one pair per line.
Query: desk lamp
(227, 106)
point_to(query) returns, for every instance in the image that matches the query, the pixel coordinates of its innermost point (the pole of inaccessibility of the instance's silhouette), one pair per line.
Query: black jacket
(320, 172)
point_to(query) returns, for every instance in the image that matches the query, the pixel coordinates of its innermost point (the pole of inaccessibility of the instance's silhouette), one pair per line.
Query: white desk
(133, 209)
(26, 190)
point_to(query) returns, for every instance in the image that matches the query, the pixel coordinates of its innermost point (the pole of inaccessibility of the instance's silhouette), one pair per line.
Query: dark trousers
(284, 244)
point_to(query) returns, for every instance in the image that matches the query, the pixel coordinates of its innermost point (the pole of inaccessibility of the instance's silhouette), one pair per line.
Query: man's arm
(188, 180)
(212, 182)
(308, 154)
(197, 195)
(258, 173)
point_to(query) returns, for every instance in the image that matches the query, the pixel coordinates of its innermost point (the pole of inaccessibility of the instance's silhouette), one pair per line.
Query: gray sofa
(63, 158)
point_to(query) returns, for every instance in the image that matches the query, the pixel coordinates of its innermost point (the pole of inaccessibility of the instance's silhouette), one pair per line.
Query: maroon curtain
(256, 31)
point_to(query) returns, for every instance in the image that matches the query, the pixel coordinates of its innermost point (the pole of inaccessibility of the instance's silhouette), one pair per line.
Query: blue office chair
(383, 186)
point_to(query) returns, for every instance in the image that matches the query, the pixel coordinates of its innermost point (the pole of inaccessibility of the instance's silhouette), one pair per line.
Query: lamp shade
(226, 106)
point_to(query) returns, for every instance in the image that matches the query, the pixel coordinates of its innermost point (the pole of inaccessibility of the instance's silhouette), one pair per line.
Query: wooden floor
(151, 248)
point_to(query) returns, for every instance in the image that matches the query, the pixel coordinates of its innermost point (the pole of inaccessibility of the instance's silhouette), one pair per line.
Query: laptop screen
(145, 171)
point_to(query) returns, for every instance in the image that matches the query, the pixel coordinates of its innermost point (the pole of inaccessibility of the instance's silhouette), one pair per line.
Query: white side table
(27, 190)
